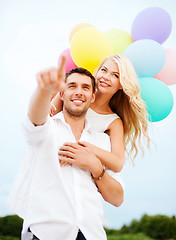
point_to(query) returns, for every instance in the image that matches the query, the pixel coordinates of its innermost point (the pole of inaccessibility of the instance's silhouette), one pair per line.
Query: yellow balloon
(79, 27)
(88, 47)
(120, 39)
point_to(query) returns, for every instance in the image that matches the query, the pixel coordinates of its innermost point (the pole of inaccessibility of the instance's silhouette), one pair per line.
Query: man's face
(77, 95)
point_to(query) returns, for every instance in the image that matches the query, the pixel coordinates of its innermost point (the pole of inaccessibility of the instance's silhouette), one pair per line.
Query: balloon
(157, 96)
(147, 57)
(168, 72)
(69, 62)
(88, 47)
(119, 39)
(79, 27)
(152, 23)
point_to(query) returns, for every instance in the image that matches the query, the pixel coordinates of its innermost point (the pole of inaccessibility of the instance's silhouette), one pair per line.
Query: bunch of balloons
(154, 65)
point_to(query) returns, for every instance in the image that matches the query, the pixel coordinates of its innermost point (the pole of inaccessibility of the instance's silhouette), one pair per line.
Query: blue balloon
(147, 57)
(157, 96)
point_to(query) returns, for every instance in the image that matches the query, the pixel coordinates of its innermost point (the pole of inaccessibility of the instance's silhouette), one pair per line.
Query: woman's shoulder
(115, 124)
(99, 121)
(104, 114)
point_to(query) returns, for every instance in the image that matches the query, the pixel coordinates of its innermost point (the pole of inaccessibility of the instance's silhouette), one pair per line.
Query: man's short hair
(82, 71)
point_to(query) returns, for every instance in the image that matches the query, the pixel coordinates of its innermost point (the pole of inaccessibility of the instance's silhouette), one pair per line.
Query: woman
(118, 110)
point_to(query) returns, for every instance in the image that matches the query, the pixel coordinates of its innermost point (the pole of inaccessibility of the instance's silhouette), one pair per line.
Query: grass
(9, 238)
(138, 236)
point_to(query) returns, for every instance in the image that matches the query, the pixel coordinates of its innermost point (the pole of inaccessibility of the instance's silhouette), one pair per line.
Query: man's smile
(78, 101)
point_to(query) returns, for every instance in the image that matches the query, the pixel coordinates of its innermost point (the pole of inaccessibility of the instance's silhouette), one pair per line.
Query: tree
(157, 227)
(11, 225)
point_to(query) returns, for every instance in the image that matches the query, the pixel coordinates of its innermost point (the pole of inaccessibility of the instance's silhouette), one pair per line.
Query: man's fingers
(53, 75)
(39, 80)
(61, 68)
(61, 73)
(62, 63)
(45, 77)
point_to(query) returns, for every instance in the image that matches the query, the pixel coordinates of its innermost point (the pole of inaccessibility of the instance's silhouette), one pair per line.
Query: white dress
(100, 122)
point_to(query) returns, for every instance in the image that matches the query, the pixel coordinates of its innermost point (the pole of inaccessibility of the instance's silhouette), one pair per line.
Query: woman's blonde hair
(127, 103)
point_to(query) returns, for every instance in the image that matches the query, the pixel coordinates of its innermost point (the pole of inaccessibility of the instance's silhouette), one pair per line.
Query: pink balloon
(168, 72)
(69, 62)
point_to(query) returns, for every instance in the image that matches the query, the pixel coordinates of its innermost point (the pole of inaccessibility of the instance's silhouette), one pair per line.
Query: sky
(32, 36)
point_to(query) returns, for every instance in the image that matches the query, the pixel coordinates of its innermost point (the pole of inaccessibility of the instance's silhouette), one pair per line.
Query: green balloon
(120, 39)
(157, 96)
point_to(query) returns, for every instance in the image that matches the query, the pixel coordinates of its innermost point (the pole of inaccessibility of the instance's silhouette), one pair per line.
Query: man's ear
(93, 97)
(61, 95)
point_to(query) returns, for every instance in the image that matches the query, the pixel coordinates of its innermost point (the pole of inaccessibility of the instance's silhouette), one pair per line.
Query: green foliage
(157, 227)
(9, 238)
(138, 236)
(111, 232)
(10, 226)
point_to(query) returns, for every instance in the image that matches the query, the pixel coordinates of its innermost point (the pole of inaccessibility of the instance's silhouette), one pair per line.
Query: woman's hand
(79, 154)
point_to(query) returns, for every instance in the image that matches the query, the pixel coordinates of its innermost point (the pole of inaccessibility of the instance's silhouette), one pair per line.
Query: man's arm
(49, 83)
(83, 157)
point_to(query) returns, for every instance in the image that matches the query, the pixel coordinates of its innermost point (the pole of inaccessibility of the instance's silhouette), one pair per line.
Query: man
(63, 202)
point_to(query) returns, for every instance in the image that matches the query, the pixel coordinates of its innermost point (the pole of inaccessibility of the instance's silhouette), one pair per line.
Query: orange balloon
(79, 27)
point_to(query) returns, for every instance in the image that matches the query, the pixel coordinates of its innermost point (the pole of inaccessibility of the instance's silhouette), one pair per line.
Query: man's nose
(78, 91)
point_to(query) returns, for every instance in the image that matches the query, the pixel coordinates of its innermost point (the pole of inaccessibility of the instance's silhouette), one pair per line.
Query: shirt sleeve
(32, 133)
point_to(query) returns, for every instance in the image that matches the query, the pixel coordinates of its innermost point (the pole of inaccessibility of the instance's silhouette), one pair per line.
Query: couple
(60, 199)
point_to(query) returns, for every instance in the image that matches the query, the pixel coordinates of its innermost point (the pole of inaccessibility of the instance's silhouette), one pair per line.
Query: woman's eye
(102, 69)
(116, 75)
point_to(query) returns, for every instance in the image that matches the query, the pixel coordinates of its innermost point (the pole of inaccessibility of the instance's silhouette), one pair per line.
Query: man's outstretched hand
(53, 80)
(49, 83)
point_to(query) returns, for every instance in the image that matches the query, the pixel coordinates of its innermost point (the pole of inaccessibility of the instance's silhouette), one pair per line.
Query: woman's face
(108, 78)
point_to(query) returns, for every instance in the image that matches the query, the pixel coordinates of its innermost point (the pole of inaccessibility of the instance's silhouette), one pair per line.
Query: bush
(11, 226)
(157, 227)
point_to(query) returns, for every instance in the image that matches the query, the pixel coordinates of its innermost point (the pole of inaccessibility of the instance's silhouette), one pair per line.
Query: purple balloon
(152, 23)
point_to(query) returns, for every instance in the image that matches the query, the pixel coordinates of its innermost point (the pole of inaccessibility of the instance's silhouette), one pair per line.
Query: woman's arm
(83, 157)
(56, 105)
(113, 160)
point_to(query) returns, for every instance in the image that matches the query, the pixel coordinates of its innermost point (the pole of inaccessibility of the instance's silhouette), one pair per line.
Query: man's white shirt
(58, 201)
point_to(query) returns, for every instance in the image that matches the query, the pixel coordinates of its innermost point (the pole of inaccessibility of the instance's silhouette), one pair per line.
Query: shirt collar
(60, 116)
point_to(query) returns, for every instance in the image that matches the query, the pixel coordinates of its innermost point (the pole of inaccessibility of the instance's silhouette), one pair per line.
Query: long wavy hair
(129, 106)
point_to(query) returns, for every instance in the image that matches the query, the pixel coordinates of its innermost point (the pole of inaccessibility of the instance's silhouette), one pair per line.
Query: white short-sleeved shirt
(57, 201)
(100, 122)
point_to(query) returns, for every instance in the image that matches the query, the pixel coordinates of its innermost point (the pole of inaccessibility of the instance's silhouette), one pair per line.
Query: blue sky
(32, 36)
